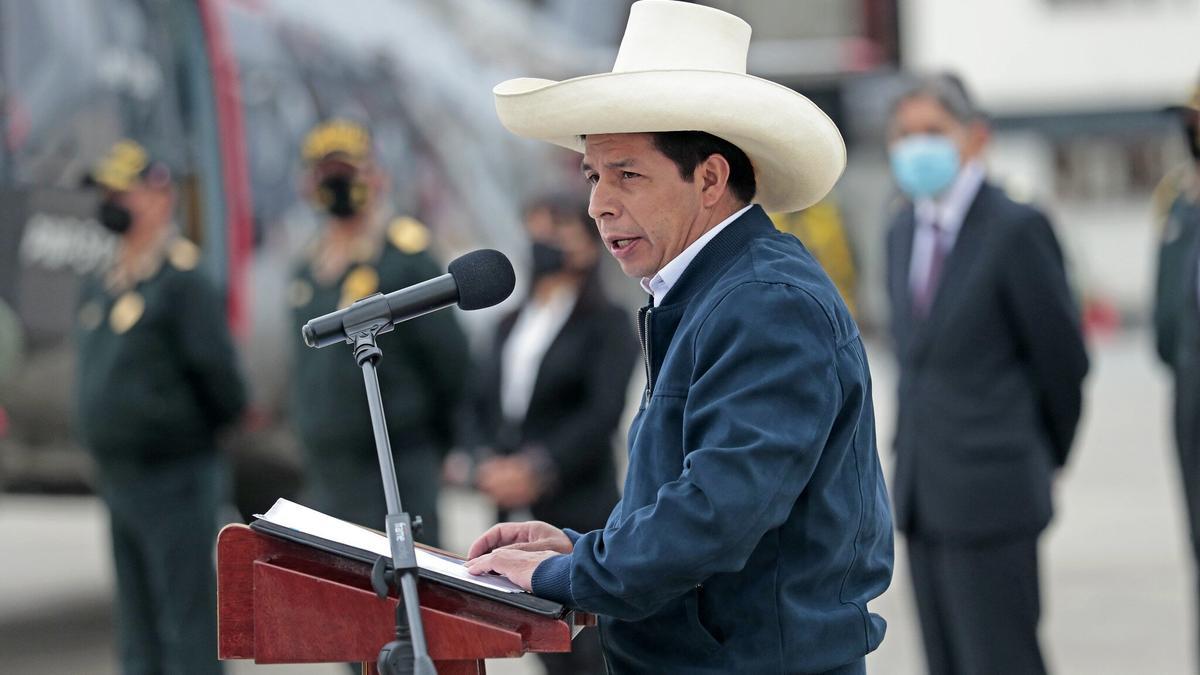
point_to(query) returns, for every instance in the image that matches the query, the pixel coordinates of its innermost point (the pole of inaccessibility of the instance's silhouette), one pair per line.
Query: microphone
(476, 280)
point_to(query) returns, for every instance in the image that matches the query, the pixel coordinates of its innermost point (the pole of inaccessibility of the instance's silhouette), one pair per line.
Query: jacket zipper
(644, 338)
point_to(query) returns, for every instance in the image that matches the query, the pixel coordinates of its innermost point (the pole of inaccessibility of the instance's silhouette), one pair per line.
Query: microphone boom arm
(395, 307)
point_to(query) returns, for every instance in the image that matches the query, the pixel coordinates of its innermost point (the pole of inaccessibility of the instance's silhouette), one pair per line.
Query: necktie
(923, 300)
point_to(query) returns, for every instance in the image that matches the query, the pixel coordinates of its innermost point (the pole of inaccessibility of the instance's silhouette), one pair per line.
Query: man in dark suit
(552, 391)
(991, 362)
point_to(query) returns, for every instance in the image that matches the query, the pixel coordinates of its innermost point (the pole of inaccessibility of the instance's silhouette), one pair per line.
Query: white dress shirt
(661, 283)
(536, 327)
(948, 212)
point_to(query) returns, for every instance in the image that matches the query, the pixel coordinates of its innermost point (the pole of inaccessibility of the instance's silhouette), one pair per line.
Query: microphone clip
(363, 322)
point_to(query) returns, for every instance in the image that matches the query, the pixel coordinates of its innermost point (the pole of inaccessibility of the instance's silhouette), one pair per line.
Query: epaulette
(360, 282)
(183, 255)
(408, 235)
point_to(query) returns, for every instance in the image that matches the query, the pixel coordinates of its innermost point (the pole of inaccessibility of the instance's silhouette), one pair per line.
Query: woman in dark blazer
(551, 392)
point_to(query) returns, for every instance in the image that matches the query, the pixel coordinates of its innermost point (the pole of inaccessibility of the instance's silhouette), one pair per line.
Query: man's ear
(713, 177)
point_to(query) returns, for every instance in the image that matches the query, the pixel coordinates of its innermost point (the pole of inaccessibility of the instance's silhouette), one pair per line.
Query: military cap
(124, 164)
(337, 138)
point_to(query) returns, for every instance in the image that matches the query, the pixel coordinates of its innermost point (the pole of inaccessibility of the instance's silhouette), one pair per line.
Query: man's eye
(591, 178)
(629, 174)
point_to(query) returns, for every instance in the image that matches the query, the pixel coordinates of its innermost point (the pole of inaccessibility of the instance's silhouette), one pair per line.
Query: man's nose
(601, 203)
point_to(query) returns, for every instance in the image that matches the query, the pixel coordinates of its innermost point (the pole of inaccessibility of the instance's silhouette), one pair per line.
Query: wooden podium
(284, 602)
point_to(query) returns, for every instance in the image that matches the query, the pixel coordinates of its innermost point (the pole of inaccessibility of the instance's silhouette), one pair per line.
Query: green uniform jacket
(157, 373)
(422, 374)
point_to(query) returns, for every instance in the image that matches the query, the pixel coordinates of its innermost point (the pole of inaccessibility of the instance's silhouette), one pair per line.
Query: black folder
(525, 601)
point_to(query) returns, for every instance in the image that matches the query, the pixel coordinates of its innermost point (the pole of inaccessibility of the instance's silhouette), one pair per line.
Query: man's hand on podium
(514, 550)
(531, 535)
(518, 566)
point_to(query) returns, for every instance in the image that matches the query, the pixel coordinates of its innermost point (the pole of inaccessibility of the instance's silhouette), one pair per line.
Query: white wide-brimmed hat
(682, 67)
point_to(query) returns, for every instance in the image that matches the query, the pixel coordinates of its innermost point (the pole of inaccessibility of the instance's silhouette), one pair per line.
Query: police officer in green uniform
(362, 248)
(1177, 307)
(157, 380)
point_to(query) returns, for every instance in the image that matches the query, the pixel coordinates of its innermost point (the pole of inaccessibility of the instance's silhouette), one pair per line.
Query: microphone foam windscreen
(484, 278)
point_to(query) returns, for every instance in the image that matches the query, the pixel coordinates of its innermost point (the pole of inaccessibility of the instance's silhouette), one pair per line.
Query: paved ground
(1116, 573)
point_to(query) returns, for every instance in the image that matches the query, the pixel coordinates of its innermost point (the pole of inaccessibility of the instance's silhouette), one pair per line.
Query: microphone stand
(408, 652)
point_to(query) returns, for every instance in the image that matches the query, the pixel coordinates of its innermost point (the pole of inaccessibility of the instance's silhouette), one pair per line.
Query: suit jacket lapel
(967, 248)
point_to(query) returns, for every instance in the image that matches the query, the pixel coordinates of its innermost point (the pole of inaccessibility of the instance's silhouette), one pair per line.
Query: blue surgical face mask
(924, 165)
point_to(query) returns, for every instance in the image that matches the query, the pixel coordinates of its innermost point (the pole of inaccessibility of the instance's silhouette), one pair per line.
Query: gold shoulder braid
(126, 312)
(408, 234)
(183, 254)
(360, 282)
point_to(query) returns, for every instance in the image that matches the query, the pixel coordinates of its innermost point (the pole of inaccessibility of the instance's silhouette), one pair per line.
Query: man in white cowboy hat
(754, 527)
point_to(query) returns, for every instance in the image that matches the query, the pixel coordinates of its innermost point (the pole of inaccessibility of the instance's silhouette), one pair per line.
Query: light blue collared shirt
(661, 283)
(948, 211)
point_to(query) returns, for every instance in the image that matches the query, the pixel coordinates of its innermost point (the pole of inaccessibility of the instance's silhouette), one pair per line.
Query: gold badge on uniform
(90, 316)
(408, 235)
(126, 312)
(183, 254)
(360, 282)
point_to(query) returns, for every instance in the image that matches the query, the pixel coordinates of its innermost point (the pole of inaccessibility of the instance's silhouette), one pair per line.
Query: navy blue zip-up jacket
(754, 527)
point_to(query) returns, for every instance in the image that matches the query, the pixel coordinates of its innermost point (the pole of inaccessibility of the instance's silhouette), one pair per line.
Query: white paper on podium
(303, 519)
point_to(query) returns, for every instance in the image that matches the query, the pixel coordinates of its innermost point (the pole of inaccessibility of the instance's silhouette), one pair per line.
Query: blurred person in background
(552, 390)
(1177, 305)
(362, 248)
(992, 360)
(157, 380)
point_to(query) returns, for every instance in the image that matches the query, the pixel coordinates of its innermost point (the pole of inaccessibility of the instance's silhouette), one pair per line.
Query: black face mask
(342, 196)
(546, 259)
(114, 217)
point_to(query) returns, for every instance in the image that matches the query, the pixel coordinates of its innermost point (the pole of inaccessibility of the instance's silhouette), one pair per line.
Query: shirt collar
(950, 208)
(661, 283)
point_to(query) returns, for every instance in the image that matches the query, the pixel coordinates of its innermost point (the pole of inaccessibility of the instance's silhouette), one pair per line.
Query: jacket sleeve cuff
(552, 579)
(572, 534)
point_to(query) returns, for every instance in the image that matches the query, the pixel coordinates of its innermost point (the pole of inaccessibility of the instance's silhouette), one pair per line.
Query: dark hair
(947, 89)
(687, 149)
